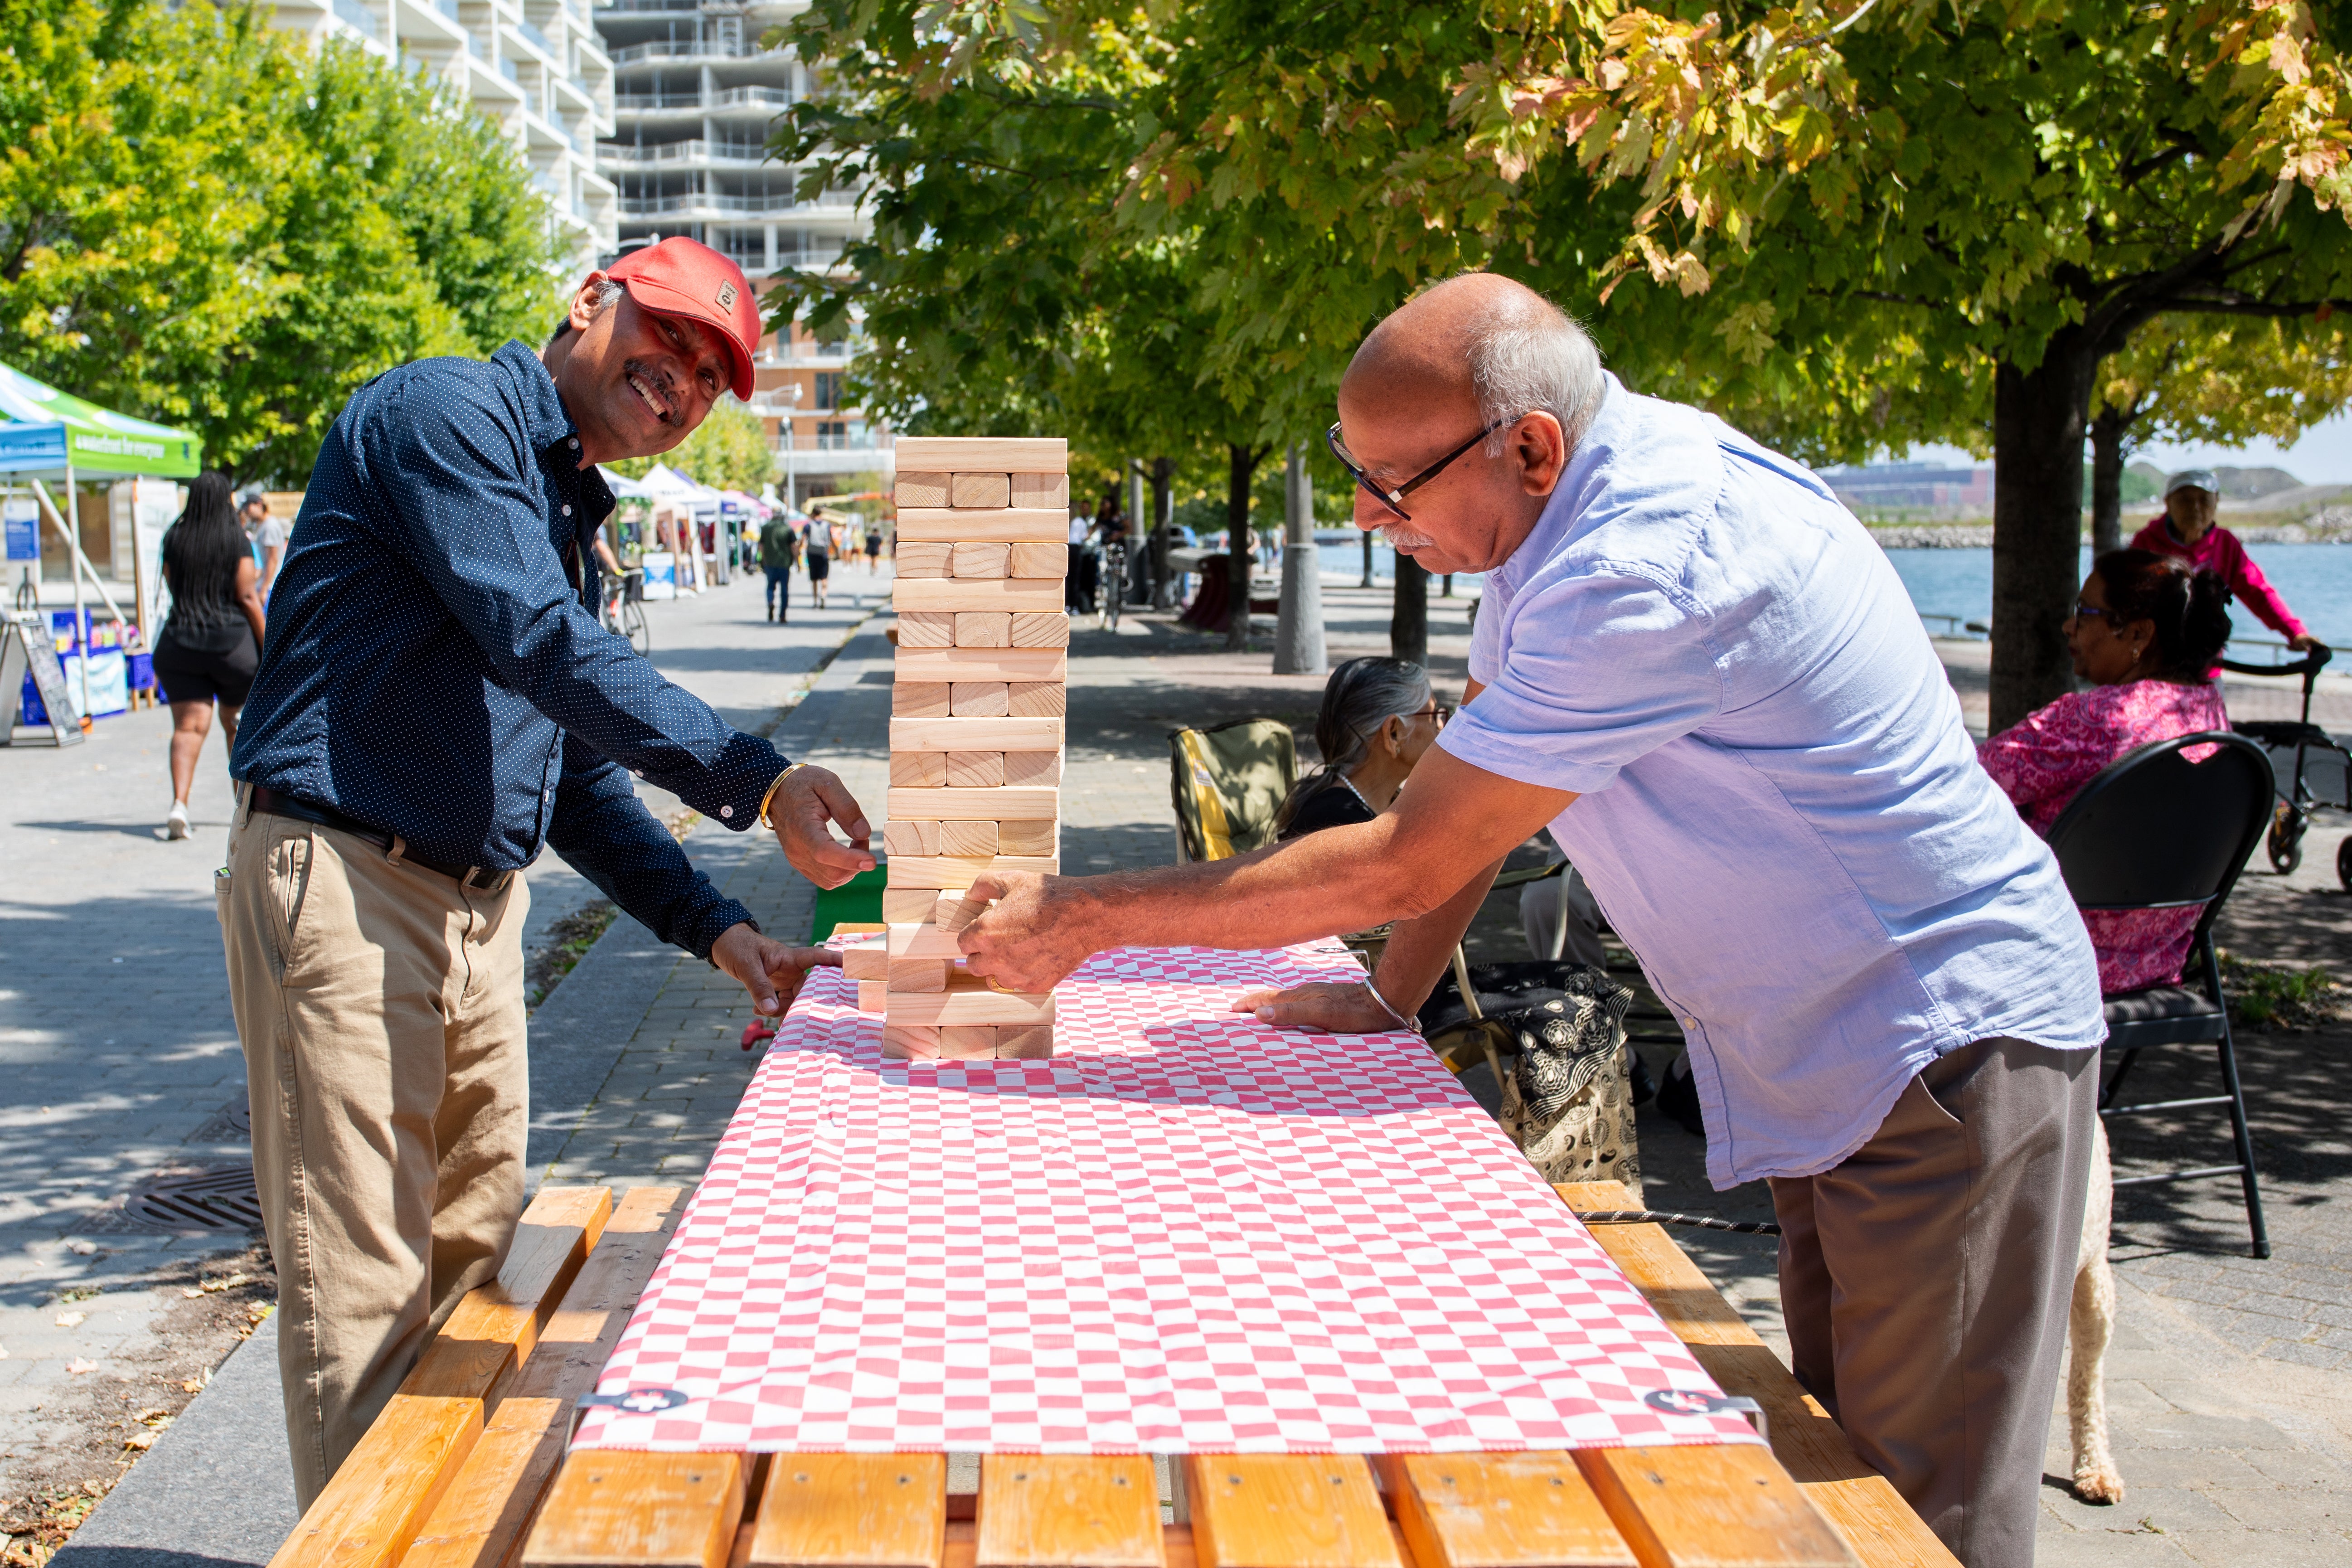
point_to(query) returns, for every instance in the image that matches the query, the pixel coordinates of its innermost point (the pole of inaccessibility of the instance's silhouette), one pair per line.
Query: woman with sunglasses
(2145, 632)
(1379, 717)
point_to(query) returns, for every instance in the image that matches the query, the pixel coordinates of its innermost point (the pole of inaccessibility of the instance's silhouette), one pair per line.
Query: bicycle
(625, 612)
(1114, 583)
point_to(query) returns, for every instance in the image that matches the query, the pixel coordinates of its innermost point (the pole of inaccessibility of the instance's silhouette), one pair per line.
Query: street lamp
(781, 401)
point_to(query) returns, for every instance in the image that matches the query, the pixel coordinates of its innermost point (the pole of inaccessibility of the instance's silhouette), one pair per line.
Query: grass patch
(2279, 996)
(567, 941)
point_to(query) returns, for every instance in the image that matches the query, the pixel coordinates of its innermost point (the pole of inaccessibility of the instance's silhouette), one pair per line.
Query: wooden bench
(466, 1467)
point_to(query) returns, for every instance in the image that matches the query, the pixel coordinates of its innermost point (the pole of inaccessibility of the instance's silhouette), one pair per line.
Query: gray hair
(1530, 356)
(610, 290)
(1361, 695)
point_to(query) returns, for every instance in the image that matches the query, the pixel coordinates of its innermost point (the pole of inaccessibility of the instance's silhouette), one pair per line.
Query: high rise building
(535, 66)
(695, 96)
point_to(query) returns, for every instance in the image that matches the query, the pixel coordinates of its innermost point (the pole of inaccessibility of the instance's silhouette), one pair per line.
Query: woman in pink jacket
(2187, 531)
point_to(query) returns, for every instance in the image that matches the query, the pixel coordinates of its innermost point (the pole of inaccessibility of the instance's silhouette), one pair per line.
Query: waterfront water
(2315, 581)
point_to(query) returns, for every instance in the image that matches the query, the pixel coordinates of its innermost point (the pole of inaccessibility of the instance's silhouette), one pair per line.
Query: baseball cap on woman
(681, 276)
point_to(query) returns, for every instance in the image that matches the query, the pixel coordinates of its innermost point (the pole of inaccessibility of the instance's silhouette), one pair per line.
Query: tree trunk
(1298, 633)
(1163, 517)
(1368, 560)
(2039, 421)
(1409, 620)
(2109, 427)
(1241, 469)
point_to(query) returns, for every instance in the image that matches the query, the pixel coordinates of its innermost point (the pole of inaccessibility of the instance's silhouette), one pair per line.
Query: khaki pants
(1926, 1281)
(381, 1007)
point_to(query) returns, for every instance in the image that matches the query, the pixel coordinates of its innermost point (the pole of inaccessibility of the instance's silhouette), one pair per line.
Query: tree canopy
(727, 451)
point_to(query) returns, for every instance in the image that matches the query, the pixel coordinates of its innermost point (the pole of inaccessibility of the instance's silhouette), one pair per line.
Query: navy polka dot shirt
(435, 667)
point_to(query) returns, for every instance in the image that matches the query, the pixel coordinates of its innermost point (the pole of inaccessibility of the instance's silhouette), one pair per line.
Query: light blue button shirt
(1781, 812)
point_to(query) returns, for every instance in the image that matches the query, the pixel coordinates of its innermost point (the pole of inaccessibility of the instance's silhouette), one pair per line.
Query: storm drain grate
(222, 1199)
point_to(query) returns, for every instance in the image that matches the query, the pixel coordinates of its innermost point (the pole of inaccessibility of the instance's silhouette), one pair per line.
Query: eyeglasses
(1393, 499)
(1441, 711)
(2092, 612)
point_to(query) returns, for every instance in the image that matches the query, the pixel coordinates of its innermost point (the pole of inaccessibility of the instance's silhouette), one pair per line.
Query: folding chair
(2155, 831)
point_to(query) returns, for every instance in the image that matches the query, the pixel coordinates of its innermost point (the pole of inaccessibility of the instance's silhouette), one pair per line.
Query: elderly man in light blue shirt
(1695, 668)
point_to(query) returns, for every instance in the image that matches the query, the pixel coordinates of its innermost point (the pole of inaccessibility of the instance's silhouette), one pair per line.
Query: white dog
(2090, 1324)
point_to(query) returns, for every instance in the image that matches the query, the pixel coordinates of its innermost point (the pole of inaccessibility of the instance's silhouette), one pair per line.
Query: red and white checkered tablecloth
(1189, 1232)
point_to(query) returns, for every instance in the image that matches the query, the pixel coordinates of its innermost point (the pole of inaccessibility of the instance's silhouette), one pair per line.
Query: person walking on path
(2186, 530)
(437, 704)
(1698, 670)
(211, 643)
(777, 544)
(819, 535)
(267, 536)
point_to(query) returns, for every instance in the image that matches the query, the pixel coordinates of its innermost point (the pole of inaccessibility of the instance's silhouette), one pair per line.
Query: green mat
(857, 901)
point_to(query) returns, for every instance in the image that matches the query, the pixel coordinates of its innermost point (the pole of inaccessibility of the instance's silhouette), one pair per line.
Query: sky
(2323, 456)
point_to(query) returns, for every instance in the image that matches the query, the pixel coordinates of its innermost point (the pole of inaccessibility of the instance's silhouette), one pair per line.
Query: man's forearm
(1418, 950)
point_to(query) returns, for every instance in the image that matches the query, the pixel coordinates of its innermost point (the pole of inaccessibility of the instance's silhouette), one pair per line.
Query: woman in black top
(1378, 717)
(211, 642)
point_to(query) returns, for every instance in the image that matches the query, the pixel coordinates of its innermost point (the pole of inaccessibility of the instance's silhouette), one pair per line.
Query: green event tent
(43, 430)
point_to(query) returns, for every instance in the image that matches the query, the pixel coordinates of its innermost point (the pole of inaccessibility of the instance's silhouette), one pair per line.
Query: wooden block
(977, 593)
(655, 1511)
(1067, 1511)
(991, 490)
(920, 489)
(998, 661)
(975, 770)
(978, 558)
(911, 839)
(982, 628)
(1728, 1504)
(1006, 804)
(920, 699)
(869, 961)
(926, 628)
(976, 735)
(910, 1042)
(908, 903)
(1500, 1510)
(1032, 560)
(962, 840)
(926, 560)
(1014, 525)
(968, 1000)
(395, 1478)
(1041, 489)
(953, 871)
(1018, 453)
(951, 911)
(1037, 699)
(916, 976)
(1033, 1044)
(1043, 768)
(483, 1515)
(853, 1510)
(1041, 629)
(924, 941)
(1287, 1511)
(873, 996)
(980, 699)
(919, 770)
(1034, 836)
(967, 1042)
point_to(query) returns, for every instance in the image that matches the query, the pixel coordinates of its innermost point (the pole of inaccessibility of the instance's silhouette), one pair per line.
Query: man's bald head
(1486, 345)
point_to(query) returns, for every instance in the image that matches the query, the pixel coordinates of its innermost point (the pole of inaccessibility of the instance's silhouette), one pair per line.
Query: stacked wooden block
(976, 729)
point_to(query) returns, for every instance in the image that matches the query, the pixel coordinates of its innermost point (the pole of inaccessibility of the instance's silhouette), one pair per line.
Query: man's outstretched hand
(1326, 1007)
(805, 803)
(1039, 930)
(769, 970)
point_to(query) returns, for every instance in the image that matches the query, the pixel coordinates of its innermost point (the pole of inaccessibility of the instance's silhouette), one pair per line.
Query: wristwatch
(769, 799)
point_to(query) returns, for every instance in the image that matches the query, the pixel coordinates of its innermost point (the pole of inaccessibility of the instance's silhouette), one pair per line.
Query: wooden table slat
(1065, 1510)
(1702, 1506)
(373, 1507)
(480, 1520)
(1500, 1510)
(852, 1510)
(1862, 1503)
(614, 1509)
(1287, 1511)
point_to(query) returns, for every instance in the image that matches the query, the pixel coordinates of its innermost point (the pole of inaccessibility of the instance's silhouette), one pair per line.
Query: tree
(727, 451)
(2199, 379)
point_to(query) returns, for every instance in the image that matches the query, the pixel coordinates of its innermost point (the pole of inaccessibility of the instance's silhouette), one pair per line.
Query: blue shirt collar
(545, 420)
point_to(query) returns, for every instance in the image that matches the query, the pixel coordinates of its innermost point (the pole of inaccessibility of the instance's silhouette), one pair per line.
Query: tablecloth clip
(1753, 1411)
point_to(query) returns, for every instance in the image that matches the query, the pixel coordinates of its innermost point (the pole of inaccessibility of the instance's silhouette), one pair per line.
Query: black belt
(277, 805)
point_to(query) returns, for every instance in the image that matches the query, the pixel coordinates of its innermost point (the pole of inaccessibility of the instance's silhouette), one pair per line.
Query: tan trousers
(1925, 1278)
(381, 1007)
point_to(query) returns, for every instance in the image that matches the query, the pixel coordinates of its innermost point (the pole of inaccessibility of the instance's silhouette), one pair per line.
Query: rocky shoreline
(2329, 525)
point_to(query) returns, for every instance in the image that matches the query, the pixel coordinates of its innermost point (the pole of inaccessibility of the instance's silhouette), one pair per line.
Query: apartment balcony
(683, 100)
(358, 15)
(702, 204)
(697, 152)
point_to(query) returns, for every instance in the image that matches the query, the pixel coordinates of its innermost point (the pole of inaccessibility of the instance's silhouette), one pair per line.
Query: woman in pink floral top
(2146, 631)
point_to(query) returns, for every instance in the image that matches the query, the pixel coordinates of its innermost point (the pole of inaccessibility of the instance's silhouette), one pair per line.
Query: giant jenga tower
(976, 727)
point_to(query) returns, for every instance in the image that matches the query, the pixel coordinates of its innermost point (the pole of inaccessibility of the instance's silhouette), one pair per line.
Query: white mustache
(1404, 539)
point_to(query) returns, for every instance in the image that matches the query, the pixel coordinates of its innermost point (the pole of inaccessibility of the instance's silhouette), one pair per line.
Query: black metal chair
(2153, 831)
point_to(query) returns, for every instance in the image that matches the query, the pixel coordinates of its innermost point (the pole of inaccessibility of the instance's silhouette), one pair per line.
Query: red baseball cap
(682, 277)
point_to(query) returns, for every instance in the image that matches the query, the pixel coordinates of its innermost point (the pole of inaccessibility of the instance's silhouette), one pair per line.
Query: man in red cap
(438, 702)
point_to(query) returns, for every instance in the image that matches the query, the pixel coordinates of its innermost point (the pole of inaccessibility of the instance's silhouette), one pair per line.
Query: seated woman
(2145, 632)
(1379, 717)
